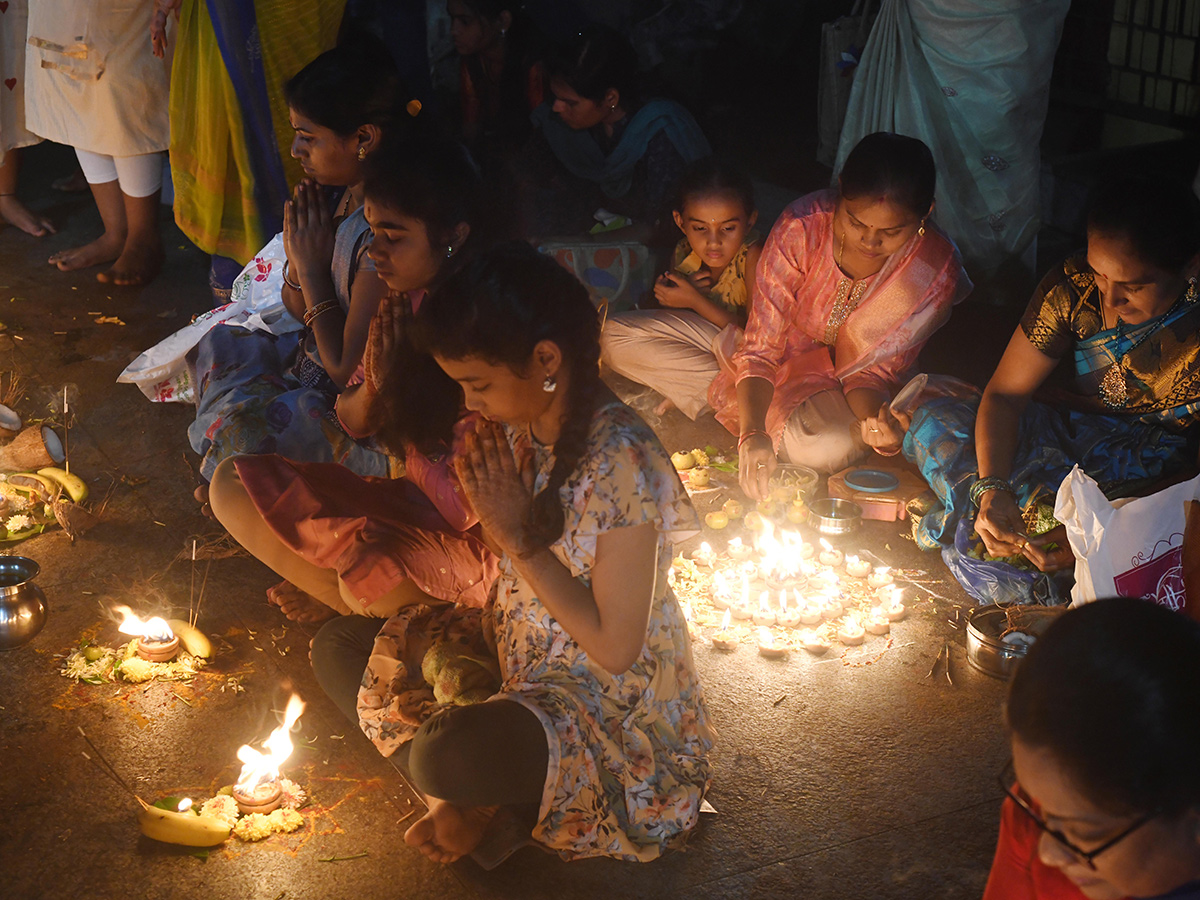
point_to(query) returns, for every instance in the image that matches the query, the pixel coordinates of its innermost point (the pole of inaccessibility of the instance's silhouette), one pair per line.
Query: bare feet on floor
(297, 605)
(104, 249)
(137, 264)
(663, 408)
(14, 212)
(448, 832)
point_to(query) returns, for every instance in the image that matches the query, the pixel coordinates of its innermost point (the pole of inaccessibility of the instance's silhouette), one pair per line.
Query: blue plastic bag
(998, 582)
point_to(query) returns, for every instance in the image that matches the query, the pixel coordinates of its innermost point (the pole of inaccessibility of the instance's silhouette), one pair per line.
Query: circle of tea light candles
(811, 613)
(764, 615)
(829, 555)
(894, 608)
(725, 639)
(851, 632)
(788, 616)
(859, 568)
(813, 642)
(704, 555)
(767, 646)
(881, 577)
(739, 549)
(877, 622)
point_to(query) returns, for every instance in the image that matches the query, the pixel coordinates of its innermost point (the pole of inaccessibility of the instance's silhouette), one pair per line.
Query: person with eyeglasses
(1104, 721)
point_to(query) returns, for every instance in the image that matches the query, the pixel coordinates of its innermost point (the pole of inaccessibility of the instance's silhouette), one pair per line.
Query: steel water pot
(22, 603)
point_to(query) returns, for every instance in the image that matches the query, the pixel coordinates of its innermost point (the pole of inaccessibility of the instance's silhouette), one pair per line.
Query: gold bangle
(317, 310)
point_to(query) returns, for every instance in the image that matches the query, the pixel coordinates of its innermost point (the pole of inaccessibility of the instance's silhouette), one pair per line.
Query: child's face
(471, 32)
(325, 156)
(498, 393)
(715, 226)
(400, 248)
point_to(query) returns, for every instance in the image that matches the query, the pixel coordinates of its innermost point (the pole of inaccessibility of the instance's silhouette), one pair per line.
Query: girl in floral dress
(598, 737)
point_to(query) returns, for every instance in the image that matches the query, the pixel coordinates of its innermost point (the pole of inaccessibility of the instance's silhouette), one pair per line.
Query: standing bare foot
(298, 605)
(448, 832)
(104, 249)
(138, 264)
(14, 212)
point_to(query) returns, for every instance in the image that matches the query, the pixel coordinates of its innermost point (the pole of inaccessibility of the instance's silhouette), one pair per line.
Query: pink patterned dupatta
(795, 290)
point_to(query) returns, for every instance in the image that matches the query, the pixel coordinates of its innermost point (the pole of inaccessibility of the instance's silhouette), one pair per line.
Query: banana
(187, 828)
(44, 487)
(194, 640)
(75, 486)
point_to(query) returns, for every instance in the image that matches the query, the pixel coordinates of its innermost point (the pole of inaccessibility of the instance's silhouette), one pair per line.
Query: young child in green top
(703, 299)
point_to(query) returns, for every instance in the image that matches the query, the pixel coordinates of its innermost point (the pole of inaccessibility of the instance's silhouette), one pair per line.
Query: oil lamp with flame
(258, 789)
(156, 641)
(725, 639)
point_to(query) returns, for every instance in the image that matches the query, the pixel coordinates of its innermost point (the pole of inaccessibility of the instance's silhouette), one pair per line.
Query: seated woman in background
(599, 144)
(597, 738)
(501, 81)
(851, 284)
(257, 393)
(1128, 315)
(705, 298)
(1104, 719)
(347, 544)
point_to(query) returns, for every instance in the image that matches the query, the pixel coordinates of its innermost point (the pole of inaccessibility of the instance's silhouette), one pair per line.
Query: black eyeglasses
(1007, 777)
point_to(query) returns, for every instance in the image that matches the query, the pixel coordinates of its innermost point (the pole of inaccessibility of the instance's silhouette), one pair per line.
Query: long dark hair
(1159, 218)
(1112, 690)
(435, 181)
(895, 166)
(596, 59)
(347, 87)
(706, 177)
(498, 308)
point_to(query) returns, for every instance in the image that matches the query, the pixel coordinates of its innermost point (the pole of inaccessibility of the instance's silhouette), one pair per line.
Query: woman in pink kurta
(851, 284)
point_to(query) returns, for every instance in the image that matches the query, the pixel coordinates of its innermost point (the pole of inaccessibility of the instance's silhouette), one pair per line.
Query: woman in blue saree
(1128, 315)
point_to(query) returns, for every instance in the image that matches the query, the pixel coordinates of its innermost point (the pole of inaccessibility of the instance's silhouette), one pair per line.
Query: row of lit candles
(829, 557)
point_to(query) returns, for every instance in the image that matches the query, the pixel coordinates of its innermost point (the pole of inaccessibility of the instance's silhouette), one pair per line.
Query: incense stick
(105, 766)
(66, 434)
(192, 589)
(200, 599)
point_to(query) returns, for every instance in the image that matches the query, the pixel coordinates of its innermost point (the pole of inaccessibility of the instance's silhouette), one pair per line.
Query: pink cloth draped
(794, 293)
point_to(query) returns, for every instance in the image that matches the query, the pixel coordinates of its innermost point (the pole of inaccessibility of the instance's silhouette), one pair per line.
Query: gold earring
(1193, 291)
(921, 230)
(362, 153)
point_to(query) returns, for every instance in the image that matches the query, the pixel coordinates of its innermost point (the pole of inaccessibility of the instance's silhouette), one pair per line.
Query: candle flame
(735, 542)
(184, 805)
(264, 767)
(783, 599)
(154, 629)
(883, 570)
(765, 638)
(687, 611)
(725, 619)
(705, 548)
(825, 545)
(851, 560)
(877, 613)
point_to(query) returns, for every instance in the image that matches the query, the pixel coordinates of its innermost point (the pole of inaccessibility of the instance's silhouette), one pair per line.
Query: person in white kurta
(93, 83)
(13, 133)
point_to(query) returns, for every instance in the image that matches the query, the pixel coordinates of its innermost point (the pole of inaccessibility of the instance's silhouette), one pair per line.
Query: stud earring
(362, 153)
(449, 251)
(549, 384)
(1193, 291)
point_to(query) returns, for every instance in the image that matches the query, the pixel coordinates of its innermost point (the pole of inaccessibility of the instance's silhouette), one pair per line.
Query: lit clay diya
(851, 633)
(263, 798)
(158, 651)
(813, 642)
(767, 647)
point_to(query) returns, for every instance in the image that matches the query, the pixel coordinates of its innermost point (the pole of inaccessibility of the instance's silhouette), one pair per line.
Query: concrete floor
(832, 780)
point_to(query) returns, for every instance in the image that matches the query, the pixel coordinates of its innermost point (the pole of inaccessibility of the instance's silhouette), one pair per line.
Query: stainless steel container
(987, 626)
(22, 603)
(835, 516)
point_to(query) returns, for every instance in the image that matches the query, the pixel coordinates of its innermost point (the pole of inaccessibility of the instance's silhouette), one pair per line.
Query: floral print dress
(628, 761)
(628, 754)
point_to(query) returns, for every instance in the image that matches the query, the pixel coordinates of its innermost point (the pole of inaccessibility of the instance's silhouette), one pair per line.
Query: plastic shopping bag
(161, 373)
(994, 581)
(1133, 547)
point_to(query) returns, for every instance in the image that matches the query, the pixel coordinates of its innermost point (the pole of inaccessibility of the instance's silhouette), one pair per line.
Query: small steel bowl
(835, 516)
(986, 649)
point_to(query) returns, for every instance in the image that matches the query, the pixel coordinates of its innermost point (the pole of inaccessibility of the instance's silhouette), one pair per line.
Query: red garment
(1017, 871)
(375, 532)
(795, 290)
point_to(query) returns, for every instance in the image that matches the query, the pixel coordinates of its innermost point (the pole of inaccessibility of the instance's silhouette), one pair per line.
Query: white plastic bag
(1131, 547)
(161, 373)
